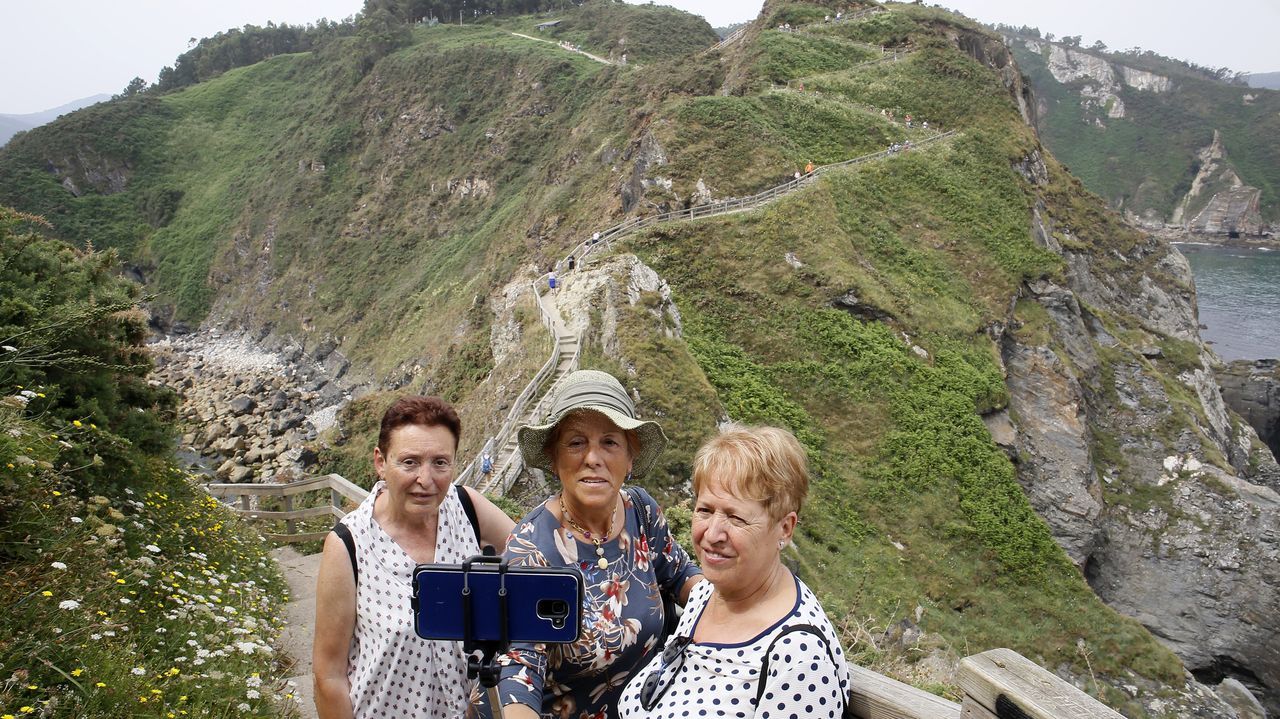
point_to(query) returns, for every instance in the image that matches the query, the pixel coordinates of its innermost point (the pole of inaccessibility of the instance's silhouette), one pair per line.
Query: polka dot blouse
(720, 680)
(393, 672)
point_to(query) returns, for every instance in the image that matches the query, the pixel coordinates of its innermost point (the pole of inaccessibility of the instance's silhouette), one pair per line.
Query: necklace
(597, 540)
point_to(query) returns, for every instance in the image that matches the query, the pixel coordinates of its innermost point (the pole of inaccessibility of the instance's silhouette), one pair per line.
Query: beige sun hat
(599, 391)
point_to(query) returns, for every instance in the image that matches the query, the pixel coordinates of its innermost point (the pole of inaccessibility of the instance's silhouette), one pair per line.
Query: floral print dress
(622, 616)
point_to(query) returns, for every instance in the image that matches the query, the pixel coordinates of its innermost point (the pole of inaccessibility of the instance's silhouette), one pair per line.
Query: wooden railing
(339, 489)
(996, 684)
(517, 412)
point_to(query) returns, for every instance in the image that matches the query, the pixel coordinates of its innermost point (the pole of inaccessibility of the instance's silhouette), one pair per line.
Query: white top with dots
(394, 672)
(719, 680)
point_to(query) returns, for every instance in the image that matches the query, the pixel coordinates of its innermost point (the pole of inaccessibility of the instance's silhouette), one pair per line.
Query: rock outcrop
(249, 413)
(1164, 499)
(1252, 389)
(1231, 208)
(1100, 79)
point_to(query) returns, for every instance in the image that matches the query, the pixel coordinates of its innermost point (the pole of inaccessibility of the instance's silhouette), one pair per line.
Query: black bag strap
(344, 533)
(470, 508)
(764, 665)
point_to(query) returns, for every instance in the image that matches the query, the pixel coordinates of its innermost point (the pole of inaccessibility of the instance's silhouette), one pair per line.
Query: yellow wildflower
(77, 672)
(46, 593)
(76, 422)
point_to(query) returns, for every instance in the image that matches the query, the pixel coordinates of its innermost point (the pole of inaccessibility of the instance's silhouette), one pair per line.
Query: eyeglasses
(672, 656)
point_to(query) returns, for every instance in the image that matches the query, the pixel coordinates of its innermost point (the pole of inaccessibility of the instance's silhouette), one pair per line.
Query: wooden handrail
(1003, 683)
(875, 696)
(339, 488)
(517, 412)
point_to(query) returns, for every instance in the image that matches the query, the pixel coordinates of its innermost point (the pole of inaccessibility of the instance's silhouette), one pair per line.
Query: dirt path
(295, 639)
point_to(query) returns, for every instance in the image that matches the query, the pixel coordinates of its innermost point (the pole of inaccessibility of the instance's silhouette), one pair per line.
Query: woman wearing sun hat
(593, 444)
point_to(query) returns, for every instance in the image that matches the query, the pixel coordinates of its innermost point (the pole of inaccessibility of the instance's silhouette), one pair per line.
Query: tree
(136, 86)
(1098, 46)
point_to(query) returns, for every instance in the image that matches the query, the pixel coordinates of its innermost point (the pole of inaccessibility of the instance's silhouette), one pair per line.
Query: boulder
(242, 404)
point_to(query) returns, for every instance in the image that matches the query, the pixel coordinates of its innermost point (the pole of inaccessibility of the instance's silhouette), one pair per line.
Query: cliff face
(1161, 140)
(1172, 521)
(1219, 203)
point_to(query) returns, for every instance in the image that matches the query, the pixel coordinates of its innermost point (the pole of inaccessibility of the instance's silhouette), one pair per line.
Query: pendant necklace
(597, 540)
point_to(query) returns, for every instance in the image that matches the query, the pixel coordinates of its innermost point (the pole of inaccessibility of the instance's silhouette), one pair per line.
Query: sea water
(1238, 292)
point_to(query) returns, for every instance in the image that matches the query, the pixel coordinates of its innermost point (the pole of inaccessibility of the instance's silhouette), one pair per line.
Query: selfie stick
(486, 667)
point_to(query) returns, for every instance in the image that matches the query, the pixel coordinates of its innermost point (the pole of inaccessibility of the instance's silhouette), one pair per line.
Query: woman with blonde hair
(753, 640)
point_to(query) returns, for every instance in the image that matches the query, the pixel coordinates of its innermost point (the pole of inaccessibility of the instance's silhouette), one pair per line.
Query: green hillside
(1147, 159)
(128, 591)
(383, 197)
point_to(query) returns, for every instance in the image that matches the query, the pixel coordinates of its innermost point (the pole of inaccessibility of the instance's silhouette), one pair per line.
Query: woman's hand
(335, 627)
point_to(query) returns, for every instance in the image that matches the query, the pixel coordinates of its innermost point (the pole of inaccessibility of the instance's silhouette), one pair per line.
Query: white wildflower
(76, 520)
(153, 549)
(137, 671)
(242, 707)
(252, 694)
(58, 565)
(68, 604)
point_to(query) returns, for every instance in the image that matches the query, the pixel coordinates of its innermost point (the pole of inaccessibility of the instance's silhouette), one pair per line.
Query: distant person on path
(797, 176)
(749, 484)
(366, 654)
(572, 263)
(486, 464)
(808, 168)
(593, 444)
(551, 280)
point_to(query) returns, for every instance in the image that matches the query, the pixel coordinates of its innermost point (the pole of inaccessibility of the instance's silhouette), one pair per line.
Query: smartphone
(544, 604)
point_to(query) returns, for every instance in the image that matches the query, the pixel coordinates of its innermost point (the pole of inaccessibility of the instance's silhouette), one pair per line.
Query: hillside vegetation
(128, 591)
(386, 201)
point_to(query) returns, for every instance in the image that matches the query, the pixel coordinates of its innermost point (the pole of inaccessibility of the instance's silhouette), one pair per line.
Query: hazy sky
(56, 51)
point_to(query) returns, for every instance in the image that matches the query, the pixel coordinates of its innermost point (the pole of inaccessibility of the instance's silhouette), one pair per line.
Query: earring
(781, 545)
(628, 479)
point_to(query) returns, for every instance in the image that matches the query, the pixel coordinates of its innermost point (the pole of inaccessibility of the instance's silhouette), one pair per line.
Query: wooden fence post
(1002, 684)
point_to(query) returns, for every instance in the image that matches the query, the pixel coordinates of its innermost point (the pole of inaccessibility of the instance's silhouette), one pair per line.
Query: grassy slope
(1148, 158)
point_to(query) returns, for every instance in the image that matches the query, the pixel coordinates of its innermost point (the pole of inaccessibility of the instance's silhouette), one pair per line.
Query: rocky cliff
(1164, 499)
(1252, 389)
(1163, 141)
